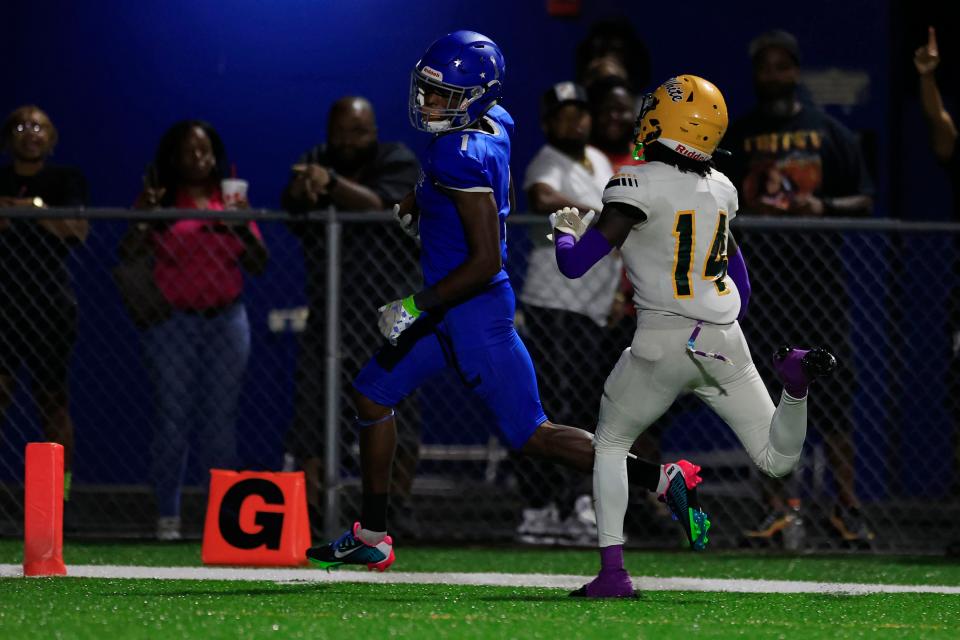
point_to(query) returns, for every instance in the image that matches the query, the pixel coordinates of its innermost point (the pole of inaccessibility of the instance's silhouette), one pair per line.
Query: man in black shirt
(38, 309)
(789, 158)
(352, 172)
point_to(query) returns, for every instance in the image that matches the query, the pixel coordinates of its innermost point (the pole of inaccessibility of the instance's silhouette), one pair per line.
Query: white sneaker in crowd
(168, 529)
(580, 527)
(540, 526)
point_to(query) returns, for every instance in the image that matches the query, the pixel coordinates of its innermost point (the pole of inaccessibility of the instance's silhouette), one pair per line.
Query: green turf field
(114, 608)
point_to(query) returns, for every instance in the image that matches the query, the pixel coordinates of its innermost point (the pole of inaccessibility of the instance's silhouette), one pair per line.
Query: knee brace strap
(362, 424)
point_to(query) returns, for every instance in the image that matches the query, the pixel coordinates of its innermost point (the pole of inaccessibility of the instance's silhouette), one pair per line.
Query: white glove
(396, 317)
(407, 223)
(568, 220)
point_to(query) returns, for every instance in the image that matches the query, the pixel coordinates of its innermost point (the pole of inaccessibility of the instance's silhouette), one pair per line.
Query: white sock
(610, 494)
(664, 480)
(788, 429)
(372, 537)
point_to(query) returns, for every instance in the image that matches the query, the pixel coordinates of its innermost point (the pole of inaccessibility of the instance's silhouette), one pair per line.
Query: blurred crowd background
(307, 102)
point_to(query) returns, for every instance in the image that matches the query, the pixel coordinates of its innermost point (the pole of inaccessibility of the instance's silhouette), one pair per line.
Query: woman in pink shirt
(197, 357)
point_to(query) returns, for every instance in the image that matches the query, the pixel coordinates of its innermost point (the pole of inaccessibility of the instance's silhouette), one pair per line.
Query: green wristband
(410, 307)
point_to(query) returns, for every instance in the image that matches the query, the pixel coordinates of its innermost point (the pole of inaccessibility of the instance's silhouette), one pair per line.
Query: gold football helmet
(686, 114)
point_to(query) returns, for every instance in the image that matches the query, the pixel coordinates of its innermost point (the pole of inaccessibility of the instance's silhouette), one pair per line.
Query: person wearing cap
(564, 320)
(790, 158)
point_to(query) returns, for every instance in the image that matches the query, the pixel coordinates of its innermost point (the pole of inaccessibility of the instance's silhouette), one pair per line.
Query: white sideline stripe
(550, 581)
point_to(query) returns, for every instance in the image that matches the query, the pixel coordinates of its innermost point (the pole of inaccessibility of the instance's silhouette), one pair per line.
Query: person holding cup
(197, 356)
(234, 193)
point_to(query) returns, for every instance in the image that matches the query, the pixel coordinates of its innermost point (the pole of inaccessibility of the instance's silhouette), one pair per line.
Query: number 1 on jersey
(714, 267)
(685, 231)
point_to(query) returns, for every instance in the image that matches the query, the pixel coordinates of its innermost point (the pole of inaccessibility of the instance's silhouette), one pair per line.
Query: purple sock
(611, 557)
(791, 374)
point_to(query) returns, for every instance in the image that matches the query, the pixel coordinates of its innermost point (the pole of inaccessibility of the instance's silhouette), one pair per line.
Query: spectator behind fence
(613, 107)
(353, 172)
(38, 309)
(565, 321)
(792, 159)
(197, 355)
(613, 110)
(612, 48)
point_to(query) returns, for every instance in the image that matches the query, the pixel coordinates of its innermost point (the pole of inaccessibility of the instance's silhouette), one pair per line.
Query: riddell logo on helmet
(433, 73)
(693, 154)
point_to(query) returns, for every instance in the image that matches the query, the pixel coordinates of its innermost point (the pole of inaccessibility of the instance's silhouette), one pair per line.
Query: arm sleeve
(575, 258)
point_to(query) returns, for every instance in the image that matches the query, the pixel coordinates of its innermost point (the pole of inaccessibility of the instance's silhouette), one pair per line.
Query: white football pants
(648, 378)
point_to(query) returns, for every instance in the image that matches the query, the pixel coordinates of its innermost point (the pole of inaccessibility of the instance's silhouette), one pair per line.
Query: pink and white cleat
(681, 497)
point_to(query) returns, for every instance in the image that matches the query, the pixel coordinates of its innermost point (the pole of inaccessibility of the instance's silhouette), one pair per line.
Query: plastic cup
(234, 191)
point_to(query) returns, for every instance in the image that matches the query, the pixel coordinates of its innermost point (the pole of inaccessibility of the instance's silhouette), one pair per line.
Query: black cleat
(797, 368)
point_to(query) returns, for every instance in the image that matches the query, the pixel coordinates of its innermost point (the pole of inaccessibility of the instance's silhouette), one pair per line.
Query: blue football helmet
(459, 78)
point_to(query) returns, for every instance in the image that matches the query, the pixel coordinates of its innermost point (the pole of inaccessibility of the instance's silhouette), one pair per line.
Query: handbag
(139, 292)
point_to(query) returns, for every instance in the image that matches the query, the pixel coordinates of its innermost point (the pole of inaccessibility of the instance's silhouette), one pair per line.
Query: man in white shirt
(565, 322)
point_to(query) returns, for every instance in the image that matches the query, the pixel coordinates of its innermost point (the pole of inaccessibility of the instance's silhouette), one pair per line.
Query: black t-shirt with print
(799, 280)
(810, 152)
(33, 266)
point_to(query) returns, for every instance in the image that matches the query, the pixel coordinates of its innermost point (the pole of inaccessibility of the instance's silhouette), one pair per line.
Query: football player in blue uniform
(463, 318)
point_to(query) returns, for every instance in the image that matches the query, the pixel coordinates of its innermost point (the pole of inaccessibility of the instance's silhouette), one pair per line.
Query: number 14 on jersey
(715, 264)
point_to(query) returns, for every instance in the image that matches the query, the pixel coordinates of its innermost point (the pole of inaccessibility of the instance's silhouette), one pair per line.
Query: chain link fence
(880, 294)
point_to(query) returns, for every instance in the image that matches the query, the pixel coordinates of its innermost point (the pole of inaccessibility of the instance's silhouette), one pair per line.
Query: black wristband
(426, 300)
(333, 178)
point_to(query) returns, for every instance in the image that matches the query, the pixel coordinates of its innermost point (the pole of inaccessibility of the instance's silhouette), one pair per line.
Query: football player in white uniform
(670, 219)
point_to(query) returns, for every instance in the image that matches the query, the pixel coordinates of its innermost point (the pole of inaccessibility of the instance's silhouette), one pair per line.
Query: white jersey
(677, 257)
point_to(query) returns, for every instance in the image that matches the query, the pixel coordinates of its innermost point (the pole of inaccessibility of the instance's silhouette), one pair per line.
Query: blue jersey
(471, 159)
(476, 337)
